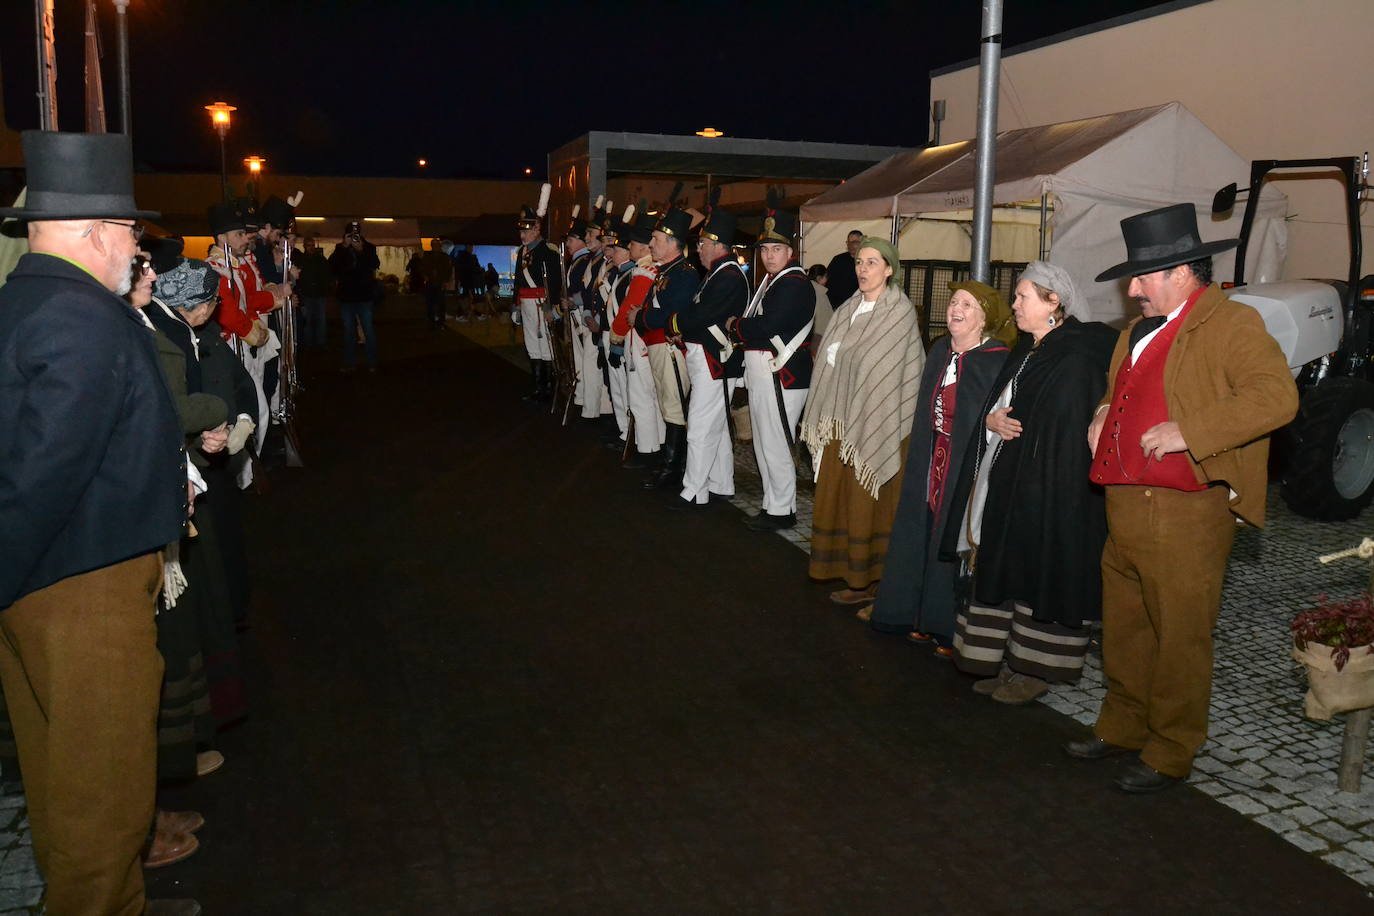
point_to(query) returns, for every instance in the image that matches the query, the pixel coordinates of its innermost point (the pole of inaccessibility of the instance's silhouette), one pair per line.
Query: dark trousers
(353, 316)
(434, 304)
(82, 674)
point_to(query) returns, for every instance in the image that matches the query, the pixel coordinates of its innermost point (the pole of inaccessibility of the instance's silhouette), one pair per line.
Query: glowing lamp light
(219, 115)
(424, 162)
(378, 219)
(529, 171)
(255, 164)
(710, 133)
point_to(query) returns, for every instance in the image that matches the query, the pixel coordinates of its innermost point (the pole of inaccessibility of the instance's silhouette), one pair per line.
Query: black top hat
(164, 251)
(675, 224)
(779, 227)
(277, 212)
(78, 176)
(528, 219)
(1160, 239)
(225, 218)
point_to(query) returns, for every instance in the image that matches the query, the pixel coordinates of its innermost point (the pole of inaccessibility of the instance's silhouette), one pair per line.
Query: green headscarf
(1000, 322)
(884, 248)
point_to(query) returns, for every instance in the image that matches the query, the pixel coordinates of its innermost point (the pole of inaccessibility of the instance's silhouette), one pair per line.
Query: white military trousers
(536, 334)
(642, 396)
(710, 454)
(770, 443)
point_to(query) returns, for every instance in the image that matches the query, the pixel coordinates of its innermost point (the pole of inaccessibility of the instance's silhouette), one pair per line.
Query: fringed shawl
(867, 399)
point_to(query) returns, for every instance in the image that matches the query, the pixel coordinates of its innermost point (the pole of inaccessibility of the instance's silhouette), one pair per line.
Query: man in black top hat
(713, 364)
(579, 257)
(595, 394)
(1181, 445)
(675, 283)
(93, 483)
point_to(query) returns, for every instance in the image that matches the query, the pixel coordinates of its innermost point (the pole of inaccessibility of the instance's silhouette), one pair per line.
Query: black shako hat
(675, 224)
(779, 227)
(642, 229)
(720, 226)
(528, 219)
(225, 217)
(277, 212)
(1160, 239)
(252, 218)
(78, 176)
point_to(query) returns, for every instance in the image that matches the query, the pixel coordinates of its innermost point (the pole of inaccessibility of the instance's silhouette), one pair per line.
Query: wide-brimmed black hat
(675, 224)
(779, 227)
(527, 219)
(277, 212)
(78, 176)
(225, 217)
(1161, 239)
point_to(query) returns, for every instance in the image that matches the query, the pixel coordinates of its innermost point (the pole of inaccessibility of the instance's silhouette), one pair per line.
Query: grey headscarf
(187, 285)
(1057, 280)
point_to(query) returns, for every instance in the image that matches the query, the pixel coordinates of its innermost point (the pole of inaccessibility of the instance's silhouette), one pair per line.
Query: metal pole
(47, 65)
(125, 112)
(1044, 222)
(223, 166)
(990, 60)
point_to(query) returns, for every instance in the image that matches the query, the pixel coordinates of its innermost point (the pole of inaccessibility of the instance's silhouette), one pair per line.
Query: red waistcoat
(1138, 403)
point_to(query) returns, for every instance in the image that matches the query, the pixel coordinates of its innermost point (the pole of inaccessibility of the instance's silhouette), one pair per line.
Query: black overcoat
(92, 463)
(1044, 523)
(917, 591)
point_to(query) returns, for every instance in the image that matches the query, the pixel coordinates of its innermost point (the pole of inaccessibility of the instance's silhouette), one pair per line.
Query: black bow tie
(1143, 327)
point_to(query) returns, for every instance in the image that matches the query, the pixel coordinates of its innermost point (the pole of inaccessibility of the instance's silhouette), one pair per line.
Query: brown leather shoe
(179, 821)
(1020, 689)
(1094, 748)
(854, 595)
(169, 848)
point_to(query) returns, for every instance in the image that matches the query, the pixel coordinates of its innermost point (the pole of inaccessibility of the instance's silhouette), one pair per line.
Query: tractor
(1326, 330)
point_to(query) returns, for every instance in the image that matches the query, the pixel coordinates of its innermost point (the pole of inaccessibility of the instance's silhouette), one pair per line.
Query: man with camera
(354, 263)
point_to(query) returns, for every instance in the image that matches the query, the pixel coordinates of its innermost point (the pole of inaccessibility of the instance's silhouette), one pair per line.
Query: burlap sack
(744, 429)
(1331, 691)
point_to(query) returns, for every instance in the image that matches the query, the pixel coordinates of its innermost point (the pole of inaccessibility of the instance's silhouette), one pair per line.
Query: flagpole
(125, 115)
(47, 65)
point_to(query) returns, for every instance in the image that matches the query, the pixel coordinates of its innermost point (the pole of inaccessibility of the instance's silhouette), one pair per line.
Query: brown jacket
(1228, 386)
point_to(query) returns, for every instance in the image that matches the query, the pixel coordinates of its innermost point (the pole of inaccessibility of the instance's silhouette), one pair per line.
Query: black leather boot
(669, 474)
(536, 373)
(546, 391)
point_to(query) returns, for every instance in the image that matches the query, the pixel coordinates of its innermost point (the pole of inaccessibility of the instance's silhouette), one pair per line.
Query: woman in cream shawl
(856, 423)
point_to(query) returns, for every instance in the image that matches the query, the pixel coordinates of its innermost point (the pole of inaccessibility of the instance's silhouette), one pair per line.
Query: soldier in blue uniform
(538, 284)
(595, 396)
(775, 333)
(714, 365)
(579, 256)
(675, 284)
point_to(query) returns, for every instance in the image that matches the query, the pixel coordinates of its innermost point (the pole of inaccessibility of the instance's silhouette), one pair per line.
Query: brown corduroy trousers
(1162, 571)
(81, 674)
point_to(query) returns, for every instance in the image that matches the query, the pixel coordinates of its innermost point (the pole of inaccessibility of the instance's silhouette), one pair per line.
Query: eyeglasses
(142, 264)
(135, 228)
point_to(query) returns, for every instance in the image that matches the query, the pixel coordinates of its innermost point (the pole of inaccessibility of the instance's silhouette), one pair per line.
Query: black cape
(1044, 523)
(917, 591)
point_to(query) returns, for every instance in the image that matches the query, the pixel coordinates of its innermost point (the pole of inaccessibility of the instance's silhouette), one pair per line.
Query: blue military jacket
(92, 463)
(673, 291)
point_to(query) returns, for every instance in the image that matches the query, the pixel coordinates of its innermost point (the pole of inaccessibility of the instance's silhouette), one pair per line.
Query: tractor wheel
(1329, 451)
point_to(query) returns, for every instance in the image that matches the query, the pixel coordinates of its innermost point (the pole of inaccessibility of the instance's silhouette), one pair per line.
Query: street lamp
(710, 133)
(255, 164)
(219, 119)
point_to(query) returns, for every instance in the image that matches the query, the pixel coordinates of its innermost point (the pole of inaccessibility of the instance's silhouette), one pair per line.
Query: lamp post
(219, 118)
(255, 164)
(125, 115)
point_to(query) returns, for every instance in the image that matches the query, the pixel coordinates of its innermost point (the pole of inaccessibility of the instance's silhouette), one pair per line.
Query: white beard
(125, 285)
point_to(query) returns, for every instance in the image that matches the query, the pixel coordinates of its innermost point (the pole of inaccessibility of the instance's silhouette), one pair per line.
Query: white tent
(1090, 174)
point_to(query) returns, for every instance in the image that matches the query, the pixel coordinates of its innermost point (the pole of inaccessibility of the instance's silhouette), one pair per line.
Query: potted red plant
(1335, 642)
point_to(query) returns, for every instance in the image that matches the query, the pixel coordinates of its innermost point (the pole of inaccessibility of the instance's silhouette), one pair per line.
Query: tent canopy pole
(990, 60)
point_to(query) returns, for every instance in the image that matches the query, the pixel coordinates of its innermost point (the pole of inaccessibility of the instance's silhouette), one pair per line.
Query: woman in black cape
(1034, 527)
(916, 596)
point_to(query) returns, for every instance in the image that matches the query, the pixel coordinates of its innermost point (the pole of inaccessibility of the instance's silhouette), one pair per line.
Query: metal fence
(927, 286)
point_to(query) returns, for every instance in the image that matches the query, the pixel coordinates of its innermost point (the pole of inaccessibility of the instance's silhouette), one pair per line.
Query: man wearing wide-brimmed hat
(93, 483)
(1181, 443)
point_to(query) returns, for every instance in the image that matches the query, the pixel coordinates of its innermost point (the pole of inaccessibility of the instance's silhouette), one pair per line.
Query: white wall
(1275, 79)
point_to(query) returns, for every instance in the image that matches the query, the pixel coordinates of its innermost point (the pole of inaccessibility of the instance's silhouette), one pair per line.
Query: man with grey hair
(92, 485)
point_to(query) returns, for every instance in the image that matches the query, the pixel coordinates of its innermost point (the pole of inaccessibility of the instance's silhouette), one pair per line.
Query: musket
(290, 380)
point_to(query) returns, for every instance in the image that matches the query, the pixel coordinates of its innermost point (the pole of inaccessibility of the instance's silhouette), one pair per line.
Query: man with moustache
(1181, 444)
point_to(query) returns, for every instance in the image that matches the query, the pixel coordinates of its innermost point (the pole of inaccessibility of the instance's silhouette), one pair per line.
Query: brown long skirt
(849, 528)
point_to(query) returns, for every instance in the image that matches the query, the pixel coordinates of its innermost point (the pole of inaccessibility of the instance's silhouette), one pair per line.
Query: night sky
(487, 89)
